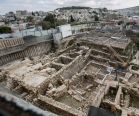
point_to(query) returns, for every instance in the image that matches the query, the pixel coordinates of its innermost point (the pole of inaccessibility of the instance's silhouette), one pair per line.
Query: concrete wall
(16, 48)
(4, 43)
(57, 38)
(77, 28)
(65, 30)
(30, 51)
(28, 32)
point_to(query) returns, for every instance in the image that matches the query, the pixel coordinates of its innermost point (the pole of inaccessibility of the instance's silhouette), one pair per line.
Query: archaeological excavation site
(89, 74)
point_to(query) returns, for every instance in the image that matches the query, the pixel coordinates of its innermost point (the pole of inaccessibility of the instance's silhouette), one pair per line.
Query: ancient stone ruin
(84, 71)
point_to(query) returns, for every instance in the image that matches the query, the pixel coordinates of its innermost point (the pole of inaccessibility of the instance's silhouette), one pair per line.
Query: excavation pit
(56, 66)
(73, 55)
(100, 77)
(100, 54)
(64, 60)
(69, 81)
(111, 109)
(110, 96)
(80, 93)
(93, 68)
(134, 102)
(129, 98)
(70, 101)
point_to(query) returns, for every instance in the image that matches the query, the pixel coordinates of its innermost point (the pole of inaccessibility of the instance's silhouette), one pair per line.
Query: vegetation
(96, 18)
(105, 9)
(95, 12)
(33, 14)
(4, 29)
(74, 7)
(45, 25)
(29, 19)
(50, 21)
(71, 19)
(50, 18)
(61, 22)
(100, 10)
(120, 22)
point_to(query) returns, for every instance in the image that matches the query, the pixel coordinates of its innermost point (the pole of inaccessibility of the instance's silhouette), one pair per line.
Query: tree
(50, 18)
(45, 25)
(72, 19)
(37, 13)
(96, 18)
(120, 22)
(100, 10)
(61, 22)
(5, 29)
(103, 15)
(105, 9)
(50, 21)
(95, 12)
(33, 14)
(29, 19)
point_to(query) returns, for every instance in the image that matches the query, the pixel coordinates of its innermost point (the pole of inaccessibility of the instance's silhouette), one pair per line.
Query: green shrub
(4, 29)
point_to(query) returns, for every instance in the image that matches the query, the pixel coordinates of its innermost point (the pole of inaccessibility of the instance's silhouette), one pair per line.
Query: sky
(49, 5)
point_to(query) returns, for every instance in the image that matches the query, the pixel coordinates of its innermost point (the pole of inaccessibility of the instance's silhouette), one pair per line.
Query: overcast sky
(47, 5)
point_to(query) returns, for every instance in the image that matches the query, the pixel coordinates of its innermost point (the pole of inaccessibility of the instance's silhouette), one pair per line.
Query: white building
(2, 23)
(21, 13)
(135, 19)
(65, 30)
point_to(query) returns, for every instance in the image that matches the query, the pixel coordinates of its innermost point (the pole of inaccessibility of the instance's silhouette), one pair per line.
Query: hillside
(129, 11)
(73, 7)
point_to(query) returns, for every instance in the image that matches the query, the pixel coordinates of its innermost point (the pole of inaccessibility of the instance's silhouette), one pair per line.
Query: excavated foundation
(85, 73)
